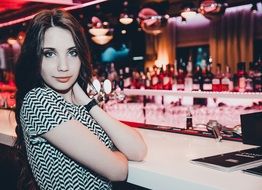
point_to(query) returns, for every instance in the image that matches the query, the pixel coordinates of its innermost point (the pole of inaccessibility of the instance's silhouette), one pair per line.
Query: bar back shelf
(196, 94)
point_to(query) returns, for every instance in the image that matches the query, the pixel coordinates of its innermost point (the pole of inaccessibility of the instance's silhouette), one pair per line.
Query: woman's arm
(80, 144)
(126, 139)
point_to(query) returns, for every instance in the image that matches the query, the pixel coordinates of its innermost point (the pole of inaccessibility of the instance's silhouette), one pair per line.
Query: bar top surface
(167, 164)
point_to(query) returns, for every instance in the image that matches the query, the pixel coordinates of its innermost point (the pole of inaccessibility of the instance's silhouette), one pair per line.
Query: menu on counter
(232, 161)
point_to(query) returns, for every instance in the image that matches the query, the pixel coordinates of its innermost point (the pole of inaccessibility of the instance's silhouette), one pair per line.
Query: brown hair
(27, 73)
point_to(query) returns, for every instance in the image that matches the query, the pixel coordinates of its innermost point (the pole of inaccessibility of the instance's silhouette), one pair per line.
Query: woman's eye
(49, 54)
(73, 53)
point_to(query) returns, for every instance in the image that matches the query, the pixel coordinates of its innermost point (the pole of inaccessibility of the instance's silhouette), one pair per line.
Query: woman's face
(61, 64)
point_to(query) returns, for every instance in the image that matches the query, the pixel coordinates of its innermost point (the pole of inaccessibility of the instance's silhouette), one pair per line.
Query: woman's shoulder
(42, 92)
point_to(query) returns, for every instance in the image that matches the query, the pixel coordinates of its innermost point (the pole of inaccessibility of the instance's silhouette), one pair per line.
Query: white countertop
(167, 164)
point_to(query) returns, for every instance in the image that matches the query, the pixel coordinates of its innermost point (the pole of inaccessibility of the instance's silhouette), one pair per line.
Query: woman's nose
(62, 65)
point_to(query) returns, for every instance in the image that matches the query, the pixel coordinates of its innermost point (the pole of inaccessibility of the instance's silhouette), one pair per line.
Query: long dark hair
(27, 73)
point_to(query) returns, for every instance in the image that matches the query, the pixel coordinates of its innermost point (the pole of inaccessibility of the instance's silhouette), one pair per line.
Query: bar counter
(167, 165)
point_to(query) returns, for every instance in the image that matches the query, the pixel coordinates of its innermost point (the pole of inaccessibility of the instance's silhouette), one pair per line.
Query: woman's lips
(62, 79)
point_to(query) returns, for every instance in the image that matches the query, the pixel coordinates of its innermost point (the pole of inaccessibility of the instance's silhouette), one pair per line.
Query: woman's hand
(79, 96)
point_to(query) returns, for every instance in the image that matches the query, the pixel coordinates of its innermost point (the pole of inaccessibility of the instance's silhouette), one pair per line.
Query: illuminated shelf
(196, 94)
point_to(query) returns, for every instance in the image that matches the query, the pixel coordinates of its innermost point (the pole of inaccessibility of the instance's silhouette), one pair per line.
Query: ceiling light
(188, 10)
(125, 18)
(102, 40)
(207, 6)
(98, 31)
(212, 9)
(188, 13)
(151, 22)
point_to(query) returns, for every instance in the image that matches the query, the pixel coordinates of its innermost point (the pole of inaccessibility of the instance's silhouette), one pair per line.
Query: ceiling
(15, 9)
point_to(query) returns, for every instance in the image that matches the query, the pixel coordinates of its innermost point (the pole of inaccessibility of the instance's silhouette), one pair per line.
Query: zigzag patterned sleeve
(41, 111)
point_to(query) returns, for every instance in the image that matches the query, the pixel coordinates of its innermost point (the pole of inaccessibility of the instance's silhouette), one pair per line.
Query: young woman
(69, 142)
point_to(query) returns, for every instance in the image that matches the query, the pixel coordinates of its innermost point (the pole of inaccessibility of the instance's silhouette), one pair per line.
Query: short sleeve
(42, 110)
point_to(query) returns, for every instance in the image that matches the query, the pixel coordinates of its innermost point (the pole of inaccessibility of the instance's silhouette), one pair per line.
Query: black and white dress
(42, 110)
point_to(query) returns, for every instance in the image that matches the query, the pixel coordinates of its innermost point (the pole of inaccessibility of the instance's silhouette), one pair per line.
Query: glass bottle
(207, 79)
(180, 79)
(188, 78)
(250, 78)
(189, 120)
(127, 78)
(167, 78)
(216, 82)
(226, 81)
(241, 75)
(257, 80)
(154, 78)
(197, 79)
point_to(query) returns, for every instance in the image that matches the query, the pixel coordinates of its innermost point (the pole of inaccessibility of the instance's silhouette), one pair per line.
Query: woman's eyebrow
(48, 48)
(53, 49)
(74, 47)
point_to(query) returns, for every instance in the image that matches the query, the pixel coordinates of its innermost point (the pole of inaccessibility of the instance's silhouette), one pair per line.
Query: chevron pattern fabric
(42, 110)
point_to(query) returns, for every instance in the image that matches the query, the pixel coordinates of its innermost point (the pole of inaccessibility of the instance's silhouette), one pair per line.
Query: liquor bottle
(250, 78)
(160, 75)
(207, 79)
(135, 79)
(180, 79)
(127, 78)
(216, 82)
(189, 120)
(257, 80)
(121, 82)
(226, 81)
(147, 79)
(154, 78)
(142, 81)
(197, 79)
(112, 75)
(188, 78)
(241, 74)
(167, 78)
(235, 82)
(174, 77)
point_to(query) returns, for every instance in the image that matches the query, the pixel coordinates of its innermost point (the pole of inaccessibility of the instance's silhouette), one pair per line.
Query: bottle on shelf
(250, 78)
(207, 79)
(142, 80)
(160, 75)
(174, 77)
(180, 79)
(241, 76)
(226, 81)
(189, 119)
(147, 79)
(154, 77)
(188, 77)
(121, 82)
(167, 79)
(112, 75)
(135, 79)
(197, 79)
(257, 80)
(127, 78)
(216, 82)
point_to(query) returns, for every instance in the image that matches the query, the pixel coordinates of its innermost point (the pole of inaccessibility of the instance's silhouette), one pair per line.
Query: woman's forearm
(126, 139)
